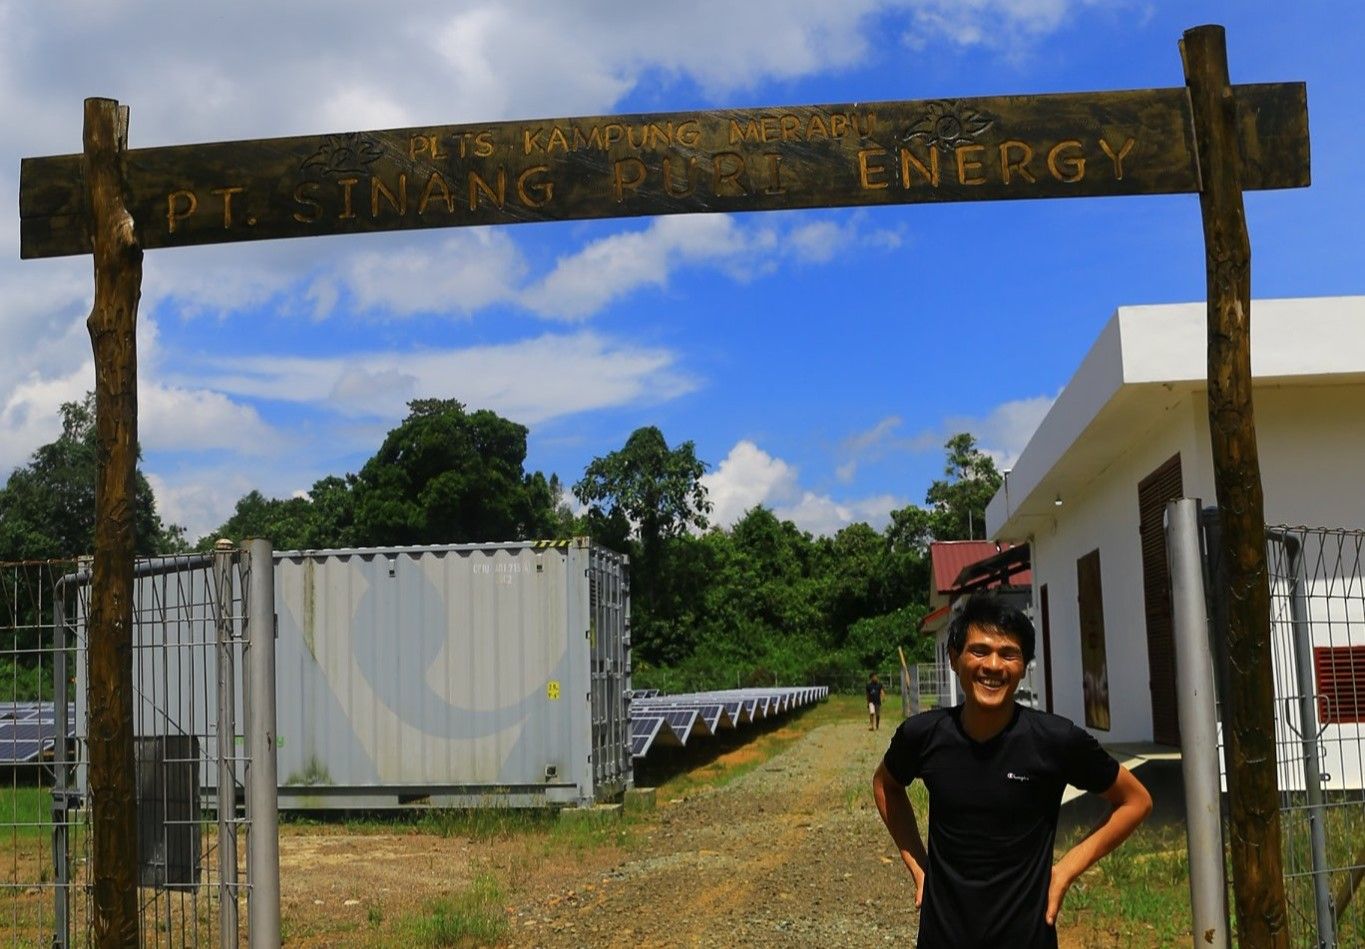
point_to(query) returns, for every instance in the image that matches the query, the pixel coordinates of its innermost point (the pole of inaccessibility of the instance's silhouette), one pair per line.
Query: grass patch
(472, 917)
(1139, 894)
(591, 831)
(25, 812)
(485, 823)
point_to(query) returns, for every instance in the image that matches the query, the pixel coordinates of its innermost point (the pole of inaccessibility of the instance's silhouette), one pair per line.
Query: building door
(1094, 657)
(1162, 485)
(1047, 646)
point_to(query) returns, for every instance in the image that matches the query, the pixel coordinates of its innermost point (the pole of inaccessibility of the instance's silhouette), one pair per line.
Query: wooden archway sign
(1208, 137)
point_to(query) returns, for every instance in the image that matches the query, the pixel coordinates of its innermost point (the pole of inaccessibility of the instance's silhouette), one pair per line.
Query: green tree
(642, 499)
(873, 642)
(959, 503)
(445, 475)
(285, 522)
(331, 520)
(47, 507)
(646, 489)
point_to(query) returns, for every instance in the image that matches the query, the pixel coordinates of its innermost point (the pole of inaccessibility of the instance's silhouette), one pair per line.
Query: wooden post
(1248, 708)
(112, 325)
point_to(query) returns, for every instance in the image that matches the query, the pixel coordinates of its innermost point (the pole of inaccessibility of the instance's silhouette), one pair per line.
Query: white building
(1131, 431)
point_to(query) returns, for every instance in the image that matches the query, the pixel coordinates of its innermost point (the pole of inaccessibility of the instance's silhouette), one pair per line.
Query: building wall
(1104, 516)
(1311, 441)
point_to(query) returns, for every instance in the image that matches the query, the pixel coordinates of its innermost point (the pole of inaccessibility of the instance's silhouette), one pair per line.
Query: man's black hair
(991, 611)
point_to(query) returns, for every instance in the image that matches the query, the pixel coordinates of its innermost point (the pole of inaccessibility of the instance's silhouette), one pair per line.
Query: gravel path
(789, 854)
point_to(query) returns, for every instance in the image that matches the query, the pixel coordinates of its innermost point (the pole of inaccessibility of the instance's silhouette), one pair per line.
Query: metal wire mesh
(188, 616)
(31, 648)
(187, 695)
(1317, 586)
(1318, 617)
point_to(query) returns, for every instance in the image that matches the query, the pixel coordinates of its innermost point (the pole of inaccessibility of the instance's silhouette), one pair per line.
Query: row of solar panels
(672, 720)
(29, 729)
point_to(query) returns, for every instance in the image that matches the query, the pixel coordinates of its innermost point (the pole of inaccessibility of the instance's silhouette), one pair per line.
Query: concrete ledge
(598, 813)
(639, 800)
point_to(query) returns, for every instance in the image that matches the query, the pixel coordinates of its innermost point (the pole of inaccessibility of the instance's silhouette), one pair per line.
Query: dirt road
(789, 854)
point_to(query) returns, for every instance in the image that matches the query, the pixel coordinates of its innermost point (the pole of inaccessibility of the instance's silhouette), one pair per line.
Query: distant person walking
(874, 703)
(995, 772)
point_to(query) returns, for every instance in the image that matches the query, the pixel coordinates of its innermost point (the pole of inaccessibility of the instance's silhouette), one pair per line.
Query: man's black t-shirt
(993, 821)
(874, 693)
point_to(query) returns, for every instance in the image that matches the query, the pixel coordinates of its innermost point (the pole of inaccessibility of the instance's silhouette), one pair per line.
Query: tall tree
(641, 498)
(47, 507)
(646, 488)
(445, 475)
(959, 503)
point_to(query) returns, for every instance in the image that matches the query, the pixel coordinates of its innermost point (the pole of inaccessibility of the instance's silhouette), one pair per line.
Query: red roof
(931, 619)
(948, 557)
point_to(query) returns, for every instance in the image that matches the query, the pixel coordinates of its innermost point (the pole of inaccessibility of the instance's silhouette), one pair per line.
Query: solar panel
(680, 722)
(643, 731)
(682, 716)
(27, 729)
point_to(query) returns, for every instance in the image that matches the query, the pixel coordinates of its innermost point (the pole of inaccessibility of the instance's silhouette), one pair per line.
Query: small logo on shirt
(1016, 777)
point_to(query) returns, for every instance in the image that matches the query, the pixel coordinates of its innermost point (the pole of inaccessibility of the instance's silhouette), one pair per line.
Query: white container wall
(462, 675)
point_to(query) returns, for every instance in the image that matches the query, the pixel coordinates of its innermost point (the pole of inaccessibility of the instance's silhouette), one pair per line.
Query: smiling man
(995, 772)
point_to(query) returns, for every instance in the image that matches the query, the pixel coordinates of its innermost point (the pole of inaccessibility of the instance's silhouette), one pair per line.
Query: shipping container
(453, 675)
(462, 675)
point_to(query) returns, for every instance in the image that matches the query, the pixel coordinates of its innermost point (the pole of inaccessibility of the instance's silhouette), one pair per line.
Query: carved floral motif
(946, 125)
(342, 154)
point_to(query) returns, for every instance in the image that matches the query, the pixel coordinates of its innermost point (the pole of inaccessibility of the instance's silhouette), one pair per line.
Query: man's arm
(1131, 805)
(899, 816)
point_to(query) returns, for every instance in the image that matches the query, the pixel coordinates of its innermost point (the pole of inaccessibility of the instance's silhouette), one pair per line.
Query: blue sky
(818, 359)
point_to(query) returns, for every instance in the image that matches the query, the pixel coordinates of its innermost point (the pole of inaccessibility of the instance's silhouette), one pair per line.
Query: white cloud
(471, 269)
(822, 514)
(199, 502)
(529, 381)
(749, 476)
(877, 442)
(608, 269)
(998, 24)
(30, 417)
(585, 282)
(746, 477)
(335, 67)
(172, 418)
(1004, 431)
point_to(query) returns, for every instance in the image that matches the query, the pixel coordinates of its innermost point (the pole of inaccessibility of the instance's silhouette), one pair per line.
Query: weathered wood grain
(1248, 708)
(112, 325)
(983, 149)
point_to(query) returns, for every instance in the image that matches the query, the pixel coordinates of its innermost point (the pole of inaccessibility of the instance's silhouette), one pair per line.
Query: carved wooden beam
(984, 149)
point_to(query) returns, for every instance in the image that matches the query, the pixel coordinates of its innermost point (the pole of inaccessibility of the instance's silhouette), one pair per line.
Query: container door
(608, 609)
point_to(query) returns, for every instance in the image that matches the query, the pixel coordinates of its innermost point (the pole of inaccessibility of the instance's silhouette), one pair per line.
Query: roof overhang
(1147, 362)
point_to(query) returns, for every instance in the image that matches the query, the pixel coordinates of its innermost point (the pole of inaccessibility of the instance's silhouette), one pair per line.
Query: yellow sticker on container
(552, 690)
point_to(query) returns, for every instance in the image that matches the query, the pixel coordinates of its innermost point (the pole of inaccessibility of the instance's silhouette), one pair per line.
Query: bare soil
(789, 853)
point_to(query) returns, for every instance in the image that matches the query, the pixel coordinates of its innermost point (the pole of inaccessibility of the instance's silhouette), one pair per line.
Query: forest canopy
(755, 602)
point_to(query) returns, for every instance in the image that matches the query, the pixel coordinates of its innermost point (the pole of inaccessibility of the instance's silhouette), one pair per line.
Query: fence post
(61, 772)
(263, 841)
(1302, 634)
(1198, 726)
(227, 739)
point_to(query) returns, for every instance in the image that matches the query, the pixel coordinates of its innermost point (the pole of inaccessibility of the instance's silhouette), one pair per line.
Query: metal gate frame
(222, 644)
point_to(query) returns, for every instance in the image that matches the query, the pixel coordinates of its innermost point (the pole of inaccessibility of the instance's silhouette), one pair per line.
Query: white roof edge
(1295, 340)
(1097, 380)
